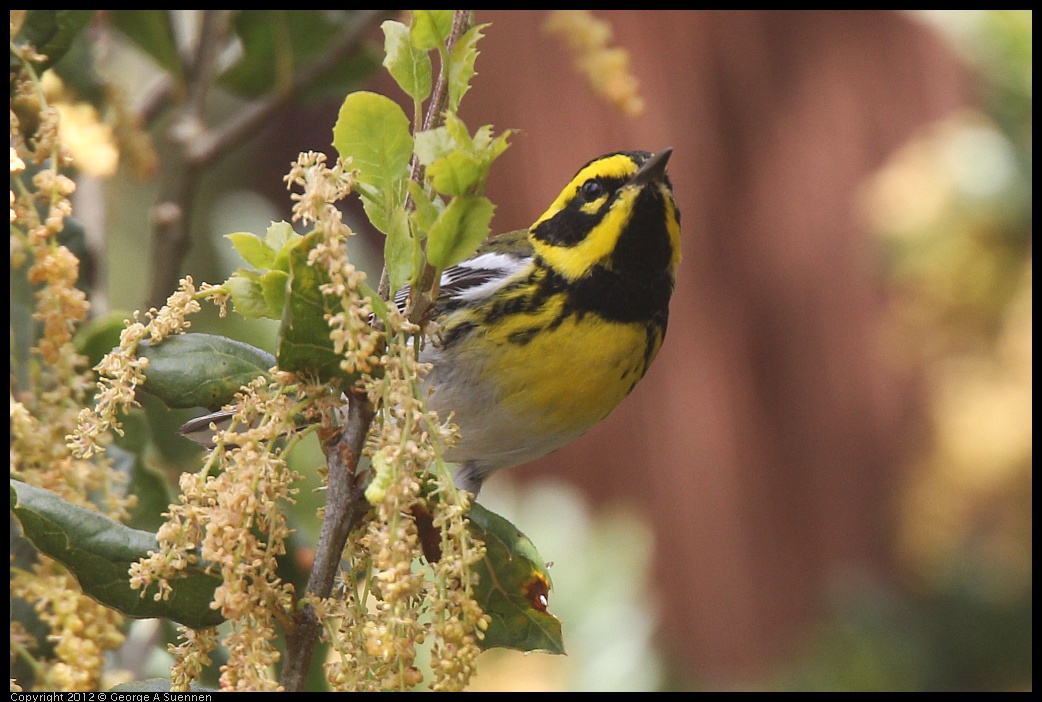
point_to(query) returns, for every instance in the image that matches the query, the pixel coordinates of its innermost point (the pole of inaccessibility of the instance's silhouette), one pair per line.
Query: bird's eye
(591, 190)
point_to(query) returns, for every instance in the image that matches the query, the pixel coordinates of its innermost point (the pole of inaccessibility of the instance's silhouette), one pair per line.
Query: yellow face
(606, 200)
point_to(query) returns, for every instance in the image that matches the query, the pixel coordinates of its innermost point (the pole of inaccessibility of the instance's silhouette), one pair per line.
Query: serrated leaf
(431, 28)
(491, 147)
(279, 236)
(459, 230)
(458, 132)
(407, 64)
(98, 551)
(513, 587)
(201, 370)
(458, 173)
(253, 249)
(461, 65)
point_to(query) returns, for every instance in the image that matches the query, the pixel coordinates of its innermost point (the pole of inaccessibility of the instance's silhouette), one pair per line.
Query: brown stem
(421, 304)
(345, 507)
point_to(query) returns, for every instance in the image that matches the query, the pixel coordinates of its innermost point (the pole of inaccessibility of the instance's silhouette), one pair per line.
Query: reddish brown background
(768, 442)
(768, 439)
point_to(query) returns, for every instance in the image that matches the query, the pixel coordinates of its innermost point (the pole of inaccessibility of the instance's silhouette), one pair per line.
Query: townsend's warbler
(544, 331)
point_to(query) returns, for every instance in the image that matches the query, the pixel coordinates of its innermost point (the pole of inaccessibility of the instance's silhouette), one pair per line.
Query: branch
(200, 146)
(217, 142)
(345, 494)
(345, 507)
(171, 212)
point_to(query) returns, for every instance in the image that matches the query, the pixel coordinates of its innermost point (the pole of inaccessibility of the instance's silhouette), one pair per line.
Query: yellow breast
(568, 377)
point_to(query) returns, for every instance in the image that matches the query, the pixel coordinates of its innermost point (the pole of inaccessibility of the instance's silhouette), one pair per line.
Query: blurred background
(824, 482)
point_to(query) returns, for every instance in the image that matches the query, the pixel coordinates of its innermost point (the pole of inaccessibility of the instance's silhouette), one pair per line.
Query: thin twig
(251, 118)
(173, 209)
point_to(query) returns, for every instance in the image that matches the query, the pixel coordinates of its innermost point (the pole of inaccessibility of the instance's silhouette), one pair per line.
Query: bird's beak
(654, 169)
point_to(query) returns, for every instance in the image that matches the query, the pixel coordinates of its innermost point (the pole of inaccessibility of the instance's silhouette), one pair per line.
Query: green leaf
(461, 65)
(428, 207)
(378, 304)
(153, 32)
(303, 342)
(491, 147)
(513, 587)
(269, 252)
(99, 551)
(247, 293)
(380, 208)
(253, 249)
(274, 286)
(51, 33)
(279, 237)
(432, 144)
(402, 254)
(459, 230)
(201, 370)
(458, 173)
(373, 131)
(431, 28)
(408, 65)
(278, 45)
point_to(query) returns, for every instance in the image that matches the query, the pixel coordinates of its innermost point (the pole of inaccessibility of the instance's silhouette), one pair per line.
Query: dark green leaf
(201, 370)
(279, 44)
(304, 345)
(99, 551)
(513, 588)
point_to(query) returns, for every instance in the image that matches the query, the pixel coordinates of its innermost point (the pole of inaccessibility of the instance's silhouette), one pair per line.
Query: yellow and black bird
(544, 331)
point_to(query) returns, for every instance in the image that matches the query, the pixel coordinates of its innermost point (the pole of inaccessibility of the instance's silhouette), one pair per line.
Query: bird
(542, 332)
